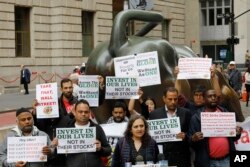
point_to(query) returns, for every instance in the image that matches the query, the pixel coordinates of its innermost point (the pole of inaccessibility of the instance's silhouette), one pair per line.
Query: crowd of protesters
(193, 150)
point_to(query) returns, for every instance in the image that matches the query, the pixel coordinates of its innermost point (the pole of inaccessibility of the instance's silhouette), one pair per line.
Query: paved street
(15, 100)
(9, 103)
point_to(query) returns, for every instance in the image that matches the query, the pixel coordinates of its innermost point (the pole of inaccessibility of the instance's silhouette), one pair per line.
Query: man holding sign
(82, 120)
(24, 128)
(177, 153)
(210, 151)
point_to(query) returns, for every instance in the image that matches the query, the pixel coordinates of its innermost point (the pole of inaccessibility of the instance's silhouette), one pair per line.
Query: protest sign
(76, 140)
(218, 124)
(148, 69)
(165, 130)
(89, 89)
(194, 68)
(47, 98)
(121, 88)
(125, 66)
(243, 144)
(114, 129)
(27, 149)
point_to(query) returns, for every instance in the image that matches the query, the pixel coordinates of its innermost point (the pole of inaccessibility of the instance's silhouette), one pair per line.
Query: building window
(87, 32)
(211, 8)
(216, 52)
(204, 17)
(22, 31)
(209, 50)
(165, 30)
(219, 20)
(227, 20)
(211, 17)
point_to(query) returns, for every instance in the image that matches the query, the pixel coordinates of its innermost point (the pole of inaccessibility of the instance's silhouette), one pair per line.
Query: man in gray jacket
(23, 128)
(235, 78)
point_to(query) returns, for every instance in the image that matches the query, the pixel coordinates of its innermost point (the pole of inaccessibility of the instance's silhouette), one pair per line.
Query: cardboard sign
(148, 69)
(125, 66)
(194, 68)
(89, 89)
(76, 140)
(114, 129)
(165, 130)
(218, 124)
(144, 66)
(47, 97)
(27, 149)
(243, 144)
(121, 88)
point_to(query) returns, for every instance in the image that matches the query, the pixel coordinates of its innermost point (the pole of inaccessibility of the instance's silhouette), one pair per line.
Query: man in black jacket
(66, 104)
(25, 78)
(88, 159)
(214, 150)
(177, 153)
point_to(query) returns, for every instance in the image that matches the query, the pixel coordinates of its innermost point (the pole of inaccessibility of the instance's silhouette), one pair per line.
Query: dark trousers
(248, 91)
(180, 159)
(25, 85)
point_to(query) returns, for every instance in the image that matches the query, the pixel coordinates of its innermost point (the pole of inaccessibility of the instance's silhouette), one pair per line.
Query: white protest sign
(165, 130)
(218, 124)
(76, 140)
(121, 88)
(114, 129)
(194, 68)
(26, 149)
(89, 89)
(125, 66)
(47, 97)
(148, 69)
(243, 144)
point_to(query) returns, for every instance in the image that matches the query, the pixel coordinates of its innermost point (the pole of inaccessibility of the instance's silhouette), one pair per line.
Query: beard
(27, 129)
(119, 120)
(212, 105)
(68, 95)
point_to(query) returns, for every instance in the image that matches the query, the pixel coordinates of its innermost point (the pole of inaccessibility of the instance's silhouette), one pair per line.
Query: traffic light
(236, 41)
(231, 41)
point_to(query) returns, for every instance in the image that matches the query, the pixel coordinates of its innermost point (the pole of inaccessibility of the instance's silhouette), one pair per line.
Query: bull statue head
(100, 61)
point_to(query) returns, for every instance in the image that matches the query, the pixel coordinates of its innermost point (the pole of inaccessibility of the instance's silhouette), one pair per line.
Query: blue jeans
(220, 163)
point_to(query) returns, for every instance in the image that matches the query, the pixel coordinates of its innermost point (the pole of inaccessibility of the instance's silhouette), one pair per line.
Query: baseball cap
(232, 63)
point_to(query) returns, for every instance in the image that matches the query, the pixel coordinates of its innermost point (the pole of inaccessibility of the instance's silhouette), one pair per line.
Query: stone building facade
(53, 36)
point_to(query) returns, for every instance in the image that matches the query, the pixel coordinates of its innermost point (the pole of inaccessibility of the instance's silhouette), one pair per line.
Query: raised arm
(131, 104)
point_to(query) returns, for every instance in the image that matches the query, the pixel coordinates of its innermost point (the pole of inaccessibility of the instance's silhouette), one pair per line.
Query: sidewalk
(13, 101)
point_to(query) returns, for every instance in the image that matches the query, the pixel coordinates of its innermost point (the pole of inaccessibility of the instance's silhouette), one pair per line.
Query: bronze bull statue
(100, 61)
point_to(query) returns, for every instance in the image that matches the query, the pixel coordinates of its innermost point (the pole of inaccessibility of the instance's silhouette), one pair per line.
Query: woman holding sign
(137, 146)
